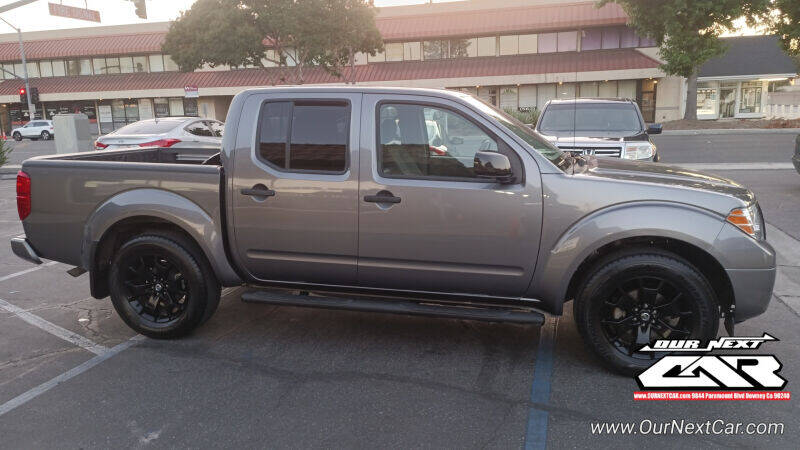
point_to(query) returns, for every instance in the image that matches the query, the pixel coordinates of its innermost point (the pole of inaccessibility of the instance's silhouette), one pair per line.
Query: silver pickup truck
(337, 197)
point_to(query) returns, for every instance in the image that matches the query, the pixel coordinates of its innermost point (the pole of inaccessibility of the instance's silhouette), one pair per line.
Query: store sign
(192, 91)
(72, 12)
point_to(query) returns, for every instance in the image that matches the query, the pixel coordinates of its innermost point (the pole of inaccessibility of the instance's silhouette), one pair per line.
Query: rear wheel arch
(122, 231)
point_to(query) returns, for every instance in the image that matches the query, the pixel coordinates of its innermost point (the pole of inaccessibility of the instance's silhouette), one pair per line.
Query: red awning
(593, 61)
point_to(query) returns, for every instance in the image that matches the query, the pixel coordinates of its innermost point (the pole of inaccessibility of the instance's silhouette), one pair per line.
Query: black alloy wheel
(155, 287)
(45, 135)
(644, 309)
(17, 137)
(634, 297)
(162, 285)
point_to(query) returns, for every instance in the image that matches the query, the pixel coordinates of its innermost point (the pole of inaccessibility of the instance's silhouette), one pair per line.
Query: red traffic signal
(23, 97)
(21, 91)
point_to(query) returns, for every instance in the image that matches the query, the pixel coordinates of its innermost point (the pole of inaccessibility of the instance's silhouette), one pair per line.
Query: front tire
(635, 297)
(17, 137)
(162, 286)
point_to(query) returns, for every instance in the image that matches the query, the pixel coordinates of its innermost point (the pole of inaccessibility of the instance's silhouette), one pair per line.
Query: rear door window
(305, 136)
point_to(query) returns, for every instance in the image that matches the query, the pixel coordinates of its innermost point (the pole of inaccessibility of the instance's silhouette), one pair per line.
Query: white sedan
(34, 130)
(167, 132)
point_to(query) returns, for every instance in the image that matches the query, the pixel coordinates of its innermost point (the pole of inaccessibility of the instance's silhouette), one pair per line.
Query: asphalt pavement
(73, 375)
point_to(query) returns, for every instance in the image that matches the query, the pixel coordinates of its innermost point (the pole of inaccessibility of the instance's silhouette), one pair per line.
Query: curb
(732, 131)
(10, 169)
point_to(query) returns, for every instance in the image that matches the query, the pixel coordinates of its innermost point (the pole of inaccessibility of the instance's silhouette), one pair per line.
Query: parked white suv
(34, 130)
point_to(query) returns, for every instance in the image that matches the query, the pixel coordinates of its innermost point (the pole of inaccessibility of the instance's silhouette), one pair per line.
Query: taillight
(161, 143)
(99, 145)
(23, 195)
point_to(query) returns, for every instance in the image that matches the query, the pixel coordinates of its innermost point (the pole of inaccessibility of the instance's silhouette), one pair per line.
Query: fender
(170, 207)
(559, 263)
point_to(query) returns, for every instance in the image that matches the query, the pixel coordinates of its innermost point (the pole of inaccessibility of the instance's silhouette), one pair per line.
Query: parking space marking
(736, 166)
(54, 329)
(536, 432)
(27, 271)
(46, 386)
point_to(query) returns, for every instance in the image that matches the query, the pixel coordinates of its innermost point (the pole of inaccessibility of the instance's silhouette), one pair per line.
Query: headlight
(749, 220)
(639, 150)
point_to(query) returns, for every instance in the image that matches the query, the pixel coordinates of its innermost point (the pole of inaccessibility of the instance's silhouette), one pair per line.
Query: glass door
(727, 101)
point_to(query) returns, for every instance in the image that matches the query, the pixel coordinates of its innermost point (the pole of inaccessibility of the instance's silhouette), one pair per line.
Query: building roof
(749, 55)
(599, 60)
(443, 21)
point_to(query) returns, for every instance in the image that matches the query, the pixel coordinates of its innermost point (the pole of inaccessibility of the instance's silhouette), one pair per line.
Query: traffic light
(23, 97)
(141, 8)
(34, 95)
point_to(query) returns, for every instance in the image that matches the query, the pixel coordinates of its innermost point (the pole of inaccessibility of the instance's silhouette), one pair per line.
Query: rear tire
(45, 136)
(634, 297)
(162, 286)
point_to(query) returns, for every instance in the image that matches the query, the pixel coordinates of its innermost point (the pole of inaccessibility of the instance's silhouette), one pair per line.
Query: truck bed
(67, 190)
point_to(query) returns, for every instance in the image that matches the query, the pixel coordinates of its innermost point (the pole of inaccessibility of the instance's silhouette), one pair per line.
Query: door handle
(258, 192)
(382, 197)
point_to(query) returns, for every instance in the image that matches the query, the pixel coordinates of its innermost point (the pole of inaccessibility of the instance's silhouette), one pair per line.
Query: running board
(391, 306)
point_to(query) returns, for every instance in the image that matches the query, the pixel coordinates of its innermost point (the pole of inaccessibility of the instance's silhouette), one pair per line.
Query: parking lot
(73, 375)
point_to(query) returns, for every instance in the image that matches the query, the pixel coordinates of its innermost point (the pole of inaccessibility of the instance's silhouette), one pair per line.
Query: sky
(36, 16)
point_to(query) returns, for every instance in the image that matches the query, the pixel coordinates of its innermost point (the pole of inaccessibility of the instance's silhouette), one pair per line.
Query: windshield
(149, 127)
(606, 117)
(524, 132)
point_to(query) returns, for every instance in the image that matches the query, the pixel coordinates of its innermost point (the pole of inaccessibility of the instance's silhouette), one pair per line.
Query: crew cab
(335, 191)
(611, 127)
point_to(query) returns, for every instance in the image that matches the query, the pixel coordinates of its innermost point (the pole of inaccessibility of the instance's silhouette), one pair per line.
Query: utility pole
(31, 108)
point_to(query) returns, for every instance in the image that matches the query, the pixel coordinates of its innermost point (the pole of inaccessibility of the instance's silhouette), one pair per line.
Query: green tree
(292, 34)
(784, 20)
(687, 32)
(5, 152)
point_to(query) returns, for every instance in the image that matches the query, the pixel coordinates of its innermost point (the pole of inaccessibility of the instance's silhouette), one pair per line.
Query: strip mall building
(515, 54)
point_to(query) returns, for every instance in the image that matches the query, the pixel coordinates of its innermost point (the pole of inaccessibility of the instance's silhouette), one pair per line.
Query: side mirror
(655, 128)
(455, 140)
(493, 165)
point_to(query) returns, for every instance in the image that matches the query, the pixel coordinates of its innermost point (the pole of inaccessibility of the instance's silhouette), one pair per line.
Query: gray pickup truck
(336, 197)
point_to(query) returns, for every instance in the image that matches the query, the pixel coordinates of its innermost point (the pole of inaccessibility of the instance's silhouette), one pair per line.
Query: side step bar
(391, 306)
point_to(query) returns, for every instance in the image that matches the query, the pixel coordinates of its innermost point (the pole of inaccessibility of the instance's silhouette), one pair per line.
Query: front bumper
(752, 289)
(22, 248)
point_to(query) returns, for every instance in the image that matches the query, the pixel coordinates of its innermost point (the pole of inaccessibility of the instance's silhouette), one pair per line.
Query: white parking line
(27, 271)
(54, 329)
(44, 387)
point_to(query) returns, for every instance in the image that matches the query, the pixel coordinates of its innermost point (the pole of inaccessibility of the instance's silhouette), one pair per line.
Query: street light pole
(10, 6)
(31, 108)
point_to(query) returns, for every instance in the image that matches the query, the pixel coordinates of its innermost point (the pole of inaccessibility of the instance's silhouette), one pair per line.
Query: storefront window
(169, 64)
(566, 90)
(58, 68)
(112, 65)
(528, 43)
(8, 71)
(463, 48)
(487, 46)
(377, 57)
(568, 41)
(411, 51)
(99, 66)
(162, 107)
(33, 70)
(131, 111)
(509, 98)
(145, 109)
(509, 45)
(45, 68)
(434, 49)
(394, 51)
(156, 63)
(118, 113)
(706, 99)
(750, 100)
(548, 42)
(140, 64)
(176, 107)
(607, 89)
(488, 94)
(79, 67)
(190, 107)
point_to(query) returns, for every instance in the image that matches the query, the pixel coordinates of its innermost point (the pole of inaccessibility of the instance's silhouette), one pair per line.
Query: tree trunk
(691, 97)
(352, 67)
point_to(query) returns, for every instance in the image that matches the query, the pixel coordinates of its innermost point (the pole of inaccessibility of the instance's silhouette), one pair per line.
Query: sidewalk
(10, 169)
(731, 131)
